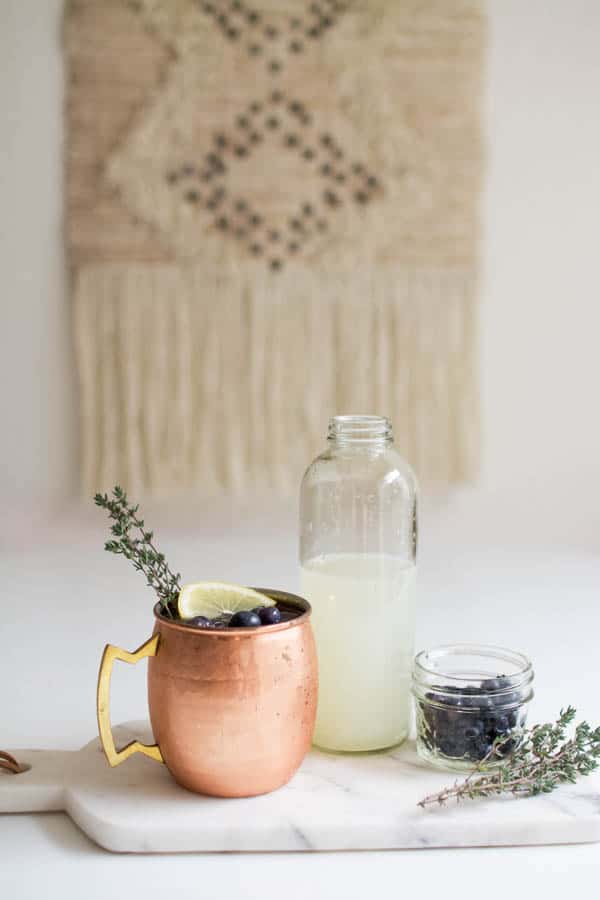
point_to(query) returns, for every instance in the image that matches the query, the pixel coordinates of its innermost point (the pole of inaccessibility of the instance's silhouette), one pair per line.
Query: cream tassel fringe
(225, 380)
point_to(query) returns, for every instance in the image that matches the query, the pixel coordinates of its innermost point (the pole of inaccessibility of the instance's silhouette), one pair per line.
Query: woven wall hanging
(272, 218)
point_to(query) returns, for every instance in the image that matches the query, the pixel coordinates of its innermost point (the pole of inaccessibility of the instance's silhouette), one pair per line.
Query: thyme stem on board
(544, 759)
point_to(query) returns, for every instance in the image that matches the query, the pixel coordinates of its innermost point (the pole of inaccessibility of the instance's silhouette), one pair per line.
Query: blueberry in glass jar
(467, 724)
(462, 708)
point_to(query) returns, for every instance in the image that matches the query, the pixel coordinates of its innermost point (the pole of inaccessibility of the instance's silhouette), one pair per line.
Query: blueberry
(445, 695)
(447, 746)
(469, 702)
(502, 724)
(474, 730)
(498, 688)
(244, 619)
(460, 746)
(435, 698)
(268, 615)
(480, 749)
(507, 747)
(200, 622)
(491, 684)
(489, 723)
(511, 699)
(450, 696)
(474, 698)
(443, 720)
(478, 702)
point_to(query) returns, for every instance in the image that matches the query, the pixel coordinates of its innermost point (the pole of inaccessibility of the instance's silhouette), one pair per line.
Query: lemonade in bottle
(358, 527)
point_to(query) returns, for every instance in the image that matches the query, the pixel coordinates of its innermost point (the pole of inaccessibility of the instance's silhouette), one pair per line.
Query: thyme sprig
(544, 759)
(132, 540)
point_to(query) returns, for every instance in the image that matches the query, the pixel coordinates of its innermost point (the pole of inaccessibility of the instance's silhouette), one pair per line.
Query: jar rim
(522, 666)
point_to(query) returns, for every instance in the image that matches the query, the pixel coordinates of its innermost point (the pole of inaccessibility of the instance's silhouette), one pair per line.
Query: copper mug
(232, 710)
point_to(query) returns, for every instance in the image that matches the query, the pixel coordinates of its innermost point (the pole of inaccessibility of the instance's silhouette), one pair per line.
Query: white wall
(541, 298)
(540, 316)
(37, 405)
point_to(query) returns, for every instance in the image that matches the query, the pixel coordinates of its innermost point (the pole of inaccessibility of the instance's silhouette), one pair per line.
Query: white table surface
(63, 599)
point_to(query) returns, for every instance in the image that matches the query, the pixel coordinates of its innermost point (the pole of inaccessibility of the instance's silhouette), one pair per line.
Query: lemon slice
(216, 598)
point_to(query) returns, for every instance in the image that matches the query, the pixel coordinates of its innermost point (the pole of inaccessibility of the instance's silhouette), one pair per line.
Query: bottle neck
(360, 431)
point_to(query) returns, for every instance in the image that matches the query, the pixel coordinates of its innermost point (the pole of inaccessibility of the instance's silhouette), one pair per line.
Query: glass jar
(466, 697)
(358, 537)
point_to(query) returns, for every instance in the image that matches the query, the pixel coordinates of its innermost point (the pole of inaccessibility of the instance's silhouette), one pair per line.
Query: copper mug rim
(289, 599)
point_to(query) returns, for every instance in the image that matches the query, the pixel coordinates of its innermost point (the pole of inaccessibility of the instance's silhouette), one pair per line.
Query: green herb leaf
(140, 550)
(544, 759)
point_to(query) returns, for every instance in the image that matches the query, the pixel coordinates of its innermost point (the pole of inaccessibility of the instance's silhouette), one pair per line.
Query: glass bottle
(358, 535)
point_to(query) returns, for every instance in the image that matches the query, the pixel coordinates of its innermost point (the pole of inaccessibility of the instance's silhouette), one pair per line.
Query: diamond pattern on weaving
(220, 185)
(267, 38)
(254, 154)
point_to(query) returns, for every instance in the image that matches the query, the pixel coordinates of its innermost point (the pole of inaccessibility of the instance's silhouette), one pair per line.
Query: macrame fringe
(234, 394)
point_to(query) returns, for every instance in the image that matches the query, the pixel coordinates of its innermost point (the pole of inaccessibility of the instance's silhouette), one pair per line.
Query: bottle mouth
(359, 429)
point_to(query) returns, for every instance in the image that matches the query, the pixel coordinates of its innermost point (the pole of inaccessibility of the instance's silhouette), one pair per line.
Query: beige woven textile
(272, 217)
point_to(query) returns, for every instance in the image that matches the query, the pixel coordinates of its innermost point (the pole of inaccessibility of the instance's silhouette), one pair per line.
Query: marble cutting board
(333, 803)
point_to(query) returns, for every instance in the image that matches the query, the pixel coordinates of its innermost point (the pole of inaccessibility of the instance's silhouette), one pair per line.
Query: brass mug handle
(114, 756)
